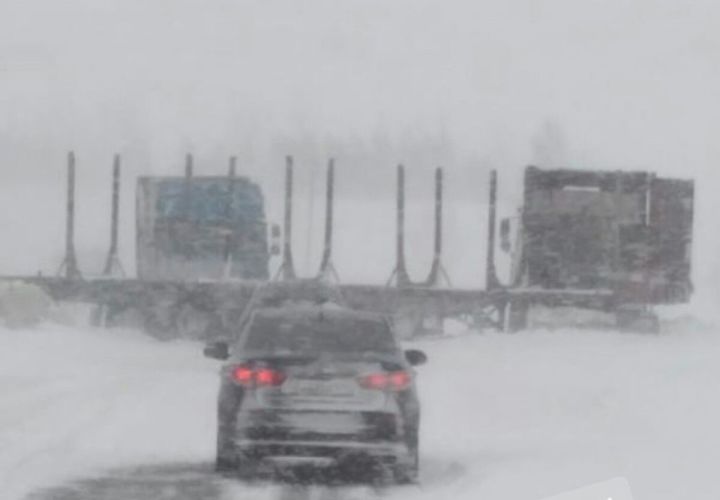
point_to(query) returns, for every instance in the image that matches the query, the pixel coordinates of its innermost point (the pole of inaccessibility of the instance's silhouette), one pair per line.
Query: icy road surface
(114, 415)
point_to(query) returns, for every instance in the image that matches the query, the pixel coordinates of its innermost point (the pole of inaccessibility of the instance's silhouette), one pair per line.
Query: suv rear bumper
(328, 452)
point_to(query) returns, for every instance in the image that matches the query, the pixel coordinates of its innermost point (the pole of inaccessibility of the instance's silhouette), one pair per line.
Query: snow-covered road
(91, 414)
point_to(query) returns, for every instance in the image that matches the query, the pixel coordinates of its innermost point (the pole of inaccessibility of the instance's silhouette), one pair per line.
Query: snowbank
(75, 402)
(23, 304)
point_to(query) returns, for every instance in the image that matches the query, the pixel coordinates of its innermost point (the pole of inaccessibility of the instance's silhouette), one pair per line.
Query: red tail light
(393, 381)
(243, 375)
(265, 377)
(257, 377)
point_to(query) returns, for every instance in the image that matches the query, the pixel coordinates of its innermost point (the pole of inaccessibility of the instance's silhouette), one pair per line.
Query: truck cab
(201, 228)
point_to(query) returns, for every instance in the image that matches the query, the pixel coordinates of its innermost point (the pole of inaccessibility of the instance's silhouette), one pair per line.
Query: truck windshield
(274, 335)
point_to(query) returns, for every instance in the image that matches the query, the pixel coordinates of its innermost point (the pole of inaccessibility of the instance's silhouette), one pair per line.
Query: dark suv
(317, 386)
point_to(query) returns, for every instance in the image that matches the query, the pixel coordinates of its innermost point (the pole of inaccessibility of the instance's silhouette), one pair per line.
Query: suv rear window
(305, 335)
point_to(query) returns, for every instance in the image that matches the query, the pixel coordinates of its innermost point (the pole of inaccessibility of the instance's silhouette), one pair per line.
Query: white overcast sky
(471, 85)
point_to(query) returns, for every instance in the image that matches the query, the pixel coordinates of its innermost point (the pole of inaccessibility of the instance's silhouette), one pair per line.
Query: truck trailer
(625, 233)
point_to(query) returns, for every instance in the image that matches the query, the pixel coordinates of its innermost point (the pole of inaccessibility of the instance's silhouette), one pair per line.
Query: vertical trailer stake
(400, 273)
(188, 166)
(438, 270)
(327, 269)
(229, 248)
(113, 261)
(186, 202)
(287, 269)
(69, 264)
(491, 279)
(186, 250)
(232, 171)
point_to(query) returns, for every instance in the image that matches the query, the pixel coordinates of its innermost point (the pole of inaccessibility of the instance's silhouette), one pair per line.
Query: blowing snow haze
(467, 85)
(135, 411)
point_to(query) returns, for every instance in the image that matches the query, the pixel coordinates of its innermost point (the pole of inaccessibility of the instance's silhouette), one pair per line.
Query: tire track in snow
(191, 481)
(198, 481)
(182, 481)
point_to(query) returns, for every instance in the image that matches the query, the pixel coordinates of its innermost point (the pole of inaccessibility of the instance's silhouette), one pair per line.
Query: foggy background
(469, 85)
